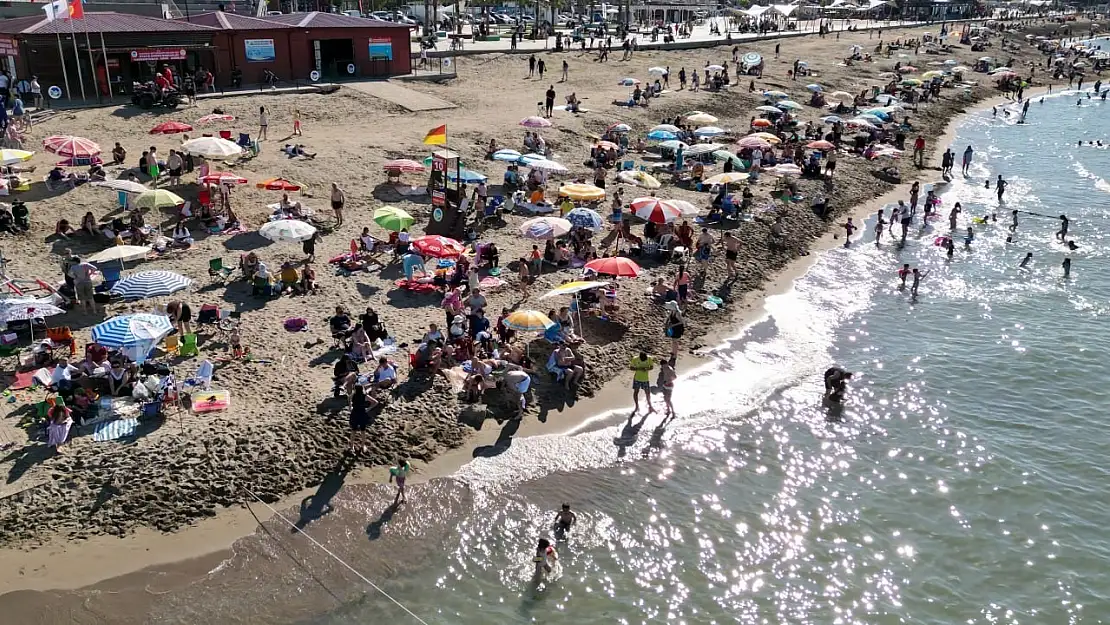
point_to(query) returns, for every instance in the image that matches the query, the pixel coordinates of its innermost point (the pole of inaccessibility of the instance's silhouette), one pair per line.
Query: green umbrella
(725, 155)
(156, 199)
(392, 218)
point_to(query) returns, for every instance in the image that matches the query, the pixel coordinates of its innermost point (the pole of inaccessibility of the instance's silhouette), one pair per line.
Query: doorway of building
(333, 56)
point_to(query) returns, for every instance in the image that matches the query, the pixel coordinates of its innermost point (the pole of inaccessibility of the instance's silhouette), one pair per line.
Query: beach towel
(25, 379)
(416, 286)
(113, 430)
(295, 324)
(491, 284)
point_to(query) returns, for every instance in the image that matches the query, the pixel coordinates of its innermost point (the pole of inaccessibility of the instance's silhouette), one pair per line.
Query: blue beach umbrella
(814, 87)
(661, 135)
(528, 159)
(510, 156)
(146, 284)
(135, 334)
(468, 176)
(585, 218)
(832, 119)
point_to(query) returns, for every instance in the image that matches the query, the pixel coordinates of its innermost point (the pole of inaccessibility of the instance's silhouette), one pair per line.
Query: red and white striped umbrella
(216, 117)
(656, 210)
(70, 146)
(222, 177)
(438, 246)
(169, 128)
(403, 165)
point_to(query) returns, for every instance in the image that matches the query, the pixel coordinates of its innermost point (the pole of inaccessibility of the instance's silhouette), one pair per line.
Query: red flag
(76, 10)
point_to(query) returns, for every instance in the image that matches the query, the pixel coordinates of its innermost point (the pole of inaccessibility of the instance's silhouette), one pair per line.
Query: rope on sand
(335, 557)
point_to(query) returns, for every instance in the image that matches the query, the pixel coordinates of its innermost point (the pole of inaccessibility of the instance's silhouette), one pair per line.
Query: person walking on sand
(675, 326)
(525, 276)
(338, 198)
(82, 274)
(297, 122)
(531, 65)
(919, 151)
(641, 364)
(399, 474)
(969, 153)
(540, 67)
(732, 252)
(263, 123)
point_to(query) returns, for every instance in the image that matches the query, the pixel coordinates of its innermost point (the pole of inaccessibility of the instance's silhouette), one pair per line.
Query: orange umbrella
(278, 184)
(615, 266)
(762, 123)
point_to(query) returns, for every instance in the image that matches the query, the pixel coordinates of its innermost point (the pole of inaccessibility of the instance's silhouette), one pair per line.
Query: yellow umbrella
(701, 118)
(726, 178)
(582, 192)
(571, 288)
(639, 178)
(11, 157)
(768, 137)
(528, 321)
(932, 74)
(157, 198)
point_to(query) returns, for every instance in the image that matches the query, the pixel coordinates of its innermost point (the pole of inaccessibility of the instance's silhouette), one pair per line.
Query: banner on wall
(8, 47)
(158, 54)
(381, 49)
(260, 50)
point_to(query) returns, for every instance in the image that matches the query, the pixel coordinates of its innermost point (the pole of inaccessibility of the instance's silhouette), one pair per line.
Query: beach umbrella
(860, 123)
(1001, 69)
(438, 246)
(714, 68)
(571, 288)
(585, 218)
(911, 82)
(932, 74)
(127, 186)
(627, 82)
(392, 218)
(146, 284)
(871, 118)
(702, 118)
(129, 330)
(9, 156)
(508, 156)
(751, 58)
(768, 137)
(527, 321)
(785, 169)
(961, 69)
(788, 104)
(287, 230)
(762, 123)
(169, 128)
(710, 131)
(618, 266)
(607, 145)
(120, 253)
(278, 184)
(541, 228)
(216, 117)
(831, 119)
(666, 128)
(703, 148)
(661, 135)
(26, 309)
(886, 99)
(821, 144)
(70, 146)
(879, 112)
(212, 147)
(619, 127)
(673, 144)
(776, 95)
(841, 94)
(692, 113)
(403, 165)
(467, 176)
(582, 192)
(726, 178)
(907, 69)
(1004, 76)
(814, 87)
(535, 122)
(155, 199)
(222, 177)
(550, 167)
(767, 108)
(725, 155)
(752, 143)
(528, 159)
(639, 178)
(657, 70)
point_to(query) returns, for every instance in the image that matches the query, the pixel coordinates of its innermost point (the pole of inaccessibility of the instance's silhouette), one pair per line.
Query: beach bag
(296, 324)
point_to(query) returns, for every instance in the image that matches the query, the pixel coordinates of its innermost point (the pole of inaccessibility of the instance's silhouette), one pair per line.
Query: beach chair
(244, 140)
(216, 268)
(188, 346)
(627, 165)
(151, 410)
(225, 134)
(111, 277)
(171, 345)
(62, 337)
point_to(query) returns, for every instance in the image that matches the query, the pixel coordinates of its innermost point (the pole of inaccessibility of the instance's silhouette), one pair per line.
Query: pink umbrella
(820, 144)
(403, 165)
(535, 122)
(655, 210)
(169, 128)
(69, 146)
(216, 117)
(220, 177)
(438, 246)
(754, 142)
(615, 266)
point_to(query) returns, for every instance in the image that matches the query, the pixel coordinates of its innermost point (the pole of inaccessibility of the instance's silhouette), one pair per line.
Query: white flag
(58, 9)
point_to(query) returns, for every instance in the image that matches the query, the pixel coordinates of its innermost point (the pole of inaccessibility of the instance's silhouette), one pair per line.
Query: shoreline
(102, 559)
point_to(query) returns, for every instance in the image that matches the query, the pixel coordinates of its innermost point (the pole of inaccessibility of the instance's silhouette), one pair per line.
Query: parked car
(382, 16)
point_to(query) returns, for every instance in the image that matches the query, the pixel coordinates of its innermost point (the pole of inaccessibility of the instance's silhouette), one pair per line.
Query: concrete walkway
(400, 95)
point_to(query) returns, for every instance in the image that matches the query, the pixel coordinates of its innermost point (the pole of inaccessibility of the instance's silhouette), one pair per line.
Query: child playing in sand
(399, 473)
(297, 122)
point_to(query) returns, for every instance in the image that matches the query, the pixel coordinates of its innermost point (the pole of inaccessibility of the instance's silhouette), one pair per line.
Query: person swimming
(836, 383)
(1025, 261)
(564, 521)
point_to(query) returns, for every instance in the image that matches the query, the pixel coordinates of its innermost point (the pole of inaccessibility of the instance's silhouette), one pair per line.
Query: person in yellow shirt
(289, 277)
(566, 207)
(642, 364)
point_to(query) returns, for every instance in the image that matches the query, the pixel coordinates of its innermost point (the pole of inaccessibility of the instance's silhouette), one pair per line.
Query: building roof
(235, 21)
(316, 19)
(106, 22)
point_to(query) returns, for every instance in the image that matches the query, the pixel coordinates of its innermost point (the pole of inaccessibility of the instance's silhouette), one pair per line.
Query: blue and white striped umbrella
(146, 284)
(466, 175)
(130, 330)
(507, 155)
(585, 218)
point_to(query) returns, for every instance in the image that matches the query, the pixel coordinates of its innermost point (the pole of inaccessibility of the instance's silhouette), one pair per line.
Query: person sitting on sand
(249, 264)
(566, 361)
(308, 280)
(119, 380)
(119, 155)
(62, 228)
(362, 348)
(181, 235)
(340, 324)
(344, 376)
(385, 375)
(293, 151)
(89, 225)
(288, 277)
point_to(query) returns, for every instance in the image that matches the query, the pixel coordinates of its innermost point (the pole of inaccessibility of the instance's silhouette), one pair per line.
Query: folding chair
(216, 268)
(151, 410)
(111, 277)
(188, 346)
(62, 336)
(628, 165)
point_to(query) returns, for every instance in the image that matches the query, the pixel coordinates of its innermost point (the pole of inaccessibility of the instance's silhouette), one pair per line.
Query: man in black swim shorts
(836, 383)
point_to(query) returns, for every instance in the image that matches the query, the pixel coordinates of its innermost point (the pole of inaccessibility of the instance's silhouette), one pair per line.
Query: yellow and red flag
(436, 136)
(76, 10)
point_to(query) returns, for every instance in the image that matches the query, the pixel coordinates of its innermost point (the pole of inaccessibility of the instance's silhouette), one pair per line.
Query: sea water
(962, 482)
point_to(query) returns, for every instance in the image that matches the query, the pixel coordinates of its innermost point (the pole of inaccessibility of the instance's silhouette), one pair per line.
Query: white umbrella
(657, 70)
(666, 128)
(287, 230)
(545, 228)
(127, 186)
(709, 131)
(26, 309)
(506, 155)
(673, 144)
(788, 104)
(714, 68)
(211, 147)
(703, 148)
(549, 166)
(121, 253)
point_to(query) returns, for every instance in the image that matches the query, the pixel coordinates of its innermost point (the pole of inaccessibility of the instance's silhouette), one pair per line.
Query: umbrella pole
(578, 305)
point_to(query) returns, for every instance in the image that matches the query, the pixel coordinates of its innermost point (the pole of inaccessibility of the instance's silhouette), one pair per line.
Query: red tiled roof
(316, 19)
(234, 21)
(106, 22)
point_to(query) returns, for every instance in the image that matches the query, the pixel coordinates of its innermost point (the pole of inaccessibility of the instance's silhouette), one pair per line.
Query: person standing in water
(1067, 266)
(1025, 261)
(879, 223)
(915, 191)
(950, 246)
(642, 364)
(1014, 220)
(836, 383)
(1062, 233)
(667, 376)
(565, 520)
(544, 559)
(849, 229)
(1000, 187)
(918, 276)
(952, 216)
(904, 273)
(399, 474)
(968, 154)
(969, 237)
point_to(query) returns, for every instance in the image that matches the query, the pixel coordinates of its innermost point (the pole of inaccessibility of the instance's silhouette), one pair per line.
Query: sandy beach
(182, 482)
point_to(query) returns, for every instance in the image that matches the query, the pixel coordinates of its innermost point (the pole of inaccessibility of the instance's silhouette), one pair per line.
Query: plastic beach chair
(216, 268)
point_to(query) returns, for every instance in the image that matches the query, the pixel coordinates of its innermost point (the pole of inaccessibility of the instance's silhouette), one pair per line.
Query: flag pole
(77, 58)
(92, 67)
(62, 60)
(107, 71)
